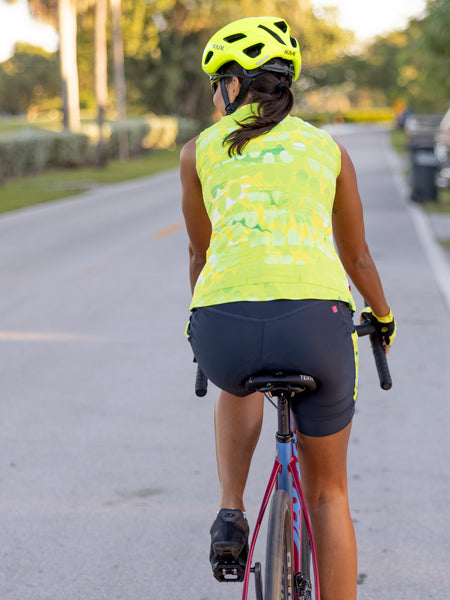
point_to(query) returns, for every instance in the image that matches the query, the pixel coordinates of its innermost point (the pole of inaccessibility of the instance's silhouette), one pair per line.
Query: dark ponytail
(272, 93)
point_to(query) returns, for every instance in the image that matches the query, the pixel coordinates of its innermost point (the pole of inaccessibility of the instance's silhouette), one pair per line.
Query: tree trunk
(101, 75)
(67, 29)
(119, 77)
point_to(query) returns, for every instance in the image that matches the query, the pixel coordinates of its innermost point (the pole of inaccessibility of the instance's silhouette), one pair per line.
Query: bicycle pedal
(229, 571)
(302, 587)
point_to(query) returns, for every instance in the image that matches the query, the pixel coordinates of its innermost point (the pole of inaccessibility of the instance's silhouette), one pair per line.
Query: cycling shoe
(229, 545)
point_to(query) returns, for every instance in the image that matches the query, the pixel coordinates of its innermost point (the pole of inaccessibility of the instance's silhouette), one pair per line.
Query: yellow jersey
(270, 210)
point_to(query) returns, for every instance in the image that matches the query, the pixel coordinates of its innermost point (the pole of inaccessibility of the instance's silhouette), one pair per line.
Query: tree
(29, 78)
(67, 28)
(164, 41)
(101, 73)
(119, 76)
(63, 14)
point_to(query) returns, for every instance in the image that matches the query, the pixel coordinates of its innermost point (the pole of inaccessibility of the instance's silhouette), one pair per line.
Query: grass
(57, 184)
(398, 141)
(442, 205)
(16, 124)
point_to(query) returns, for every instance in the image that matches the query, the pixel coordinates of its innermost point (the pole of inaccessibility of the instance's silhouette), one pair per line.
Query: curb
(433, 250)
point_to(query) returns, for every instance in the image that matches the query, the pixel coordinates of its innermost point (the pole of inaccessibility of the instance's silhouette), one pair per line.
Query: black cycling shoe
(229, 545)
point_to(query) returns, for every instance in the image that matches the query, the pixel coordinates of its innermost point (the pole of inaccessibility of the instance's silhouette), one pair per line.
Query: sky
(16, 24)
(366, 17)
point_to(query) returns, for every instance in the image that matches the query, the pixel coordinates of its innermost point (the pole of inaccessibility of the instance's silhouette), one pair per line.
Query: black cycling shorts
(233, 341)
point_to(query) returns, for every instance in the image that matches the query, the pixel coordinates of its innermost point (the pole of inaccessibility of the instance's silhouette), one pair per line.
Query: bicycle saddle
(280, 381)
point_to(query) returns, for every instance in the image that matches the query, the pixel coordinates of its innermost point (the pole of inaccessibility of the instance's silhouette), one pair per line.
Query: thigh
(318, 340)
(226, 346)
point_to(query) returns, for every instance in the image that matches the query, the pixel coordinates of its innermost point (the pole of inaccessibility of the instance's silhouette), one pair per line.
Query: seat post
(284, 433)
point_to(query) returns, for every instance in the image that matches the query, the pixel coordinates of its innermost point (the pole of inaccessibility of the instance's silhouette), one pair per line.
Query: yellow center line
(162, 233)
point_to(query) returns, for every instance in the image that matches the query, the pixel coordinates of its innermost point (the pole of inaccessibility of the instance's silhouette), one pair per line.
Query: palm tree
(67, 28)
(119, 77)
(101, 73)
(62, 14)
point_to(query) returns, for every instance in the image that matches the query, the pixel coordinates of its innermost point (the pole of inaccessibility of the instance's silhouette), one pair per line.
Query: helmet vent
(272, 33)
(209, 57)
(253, 51)
(282, 25)
(234, 38)
(294, 42)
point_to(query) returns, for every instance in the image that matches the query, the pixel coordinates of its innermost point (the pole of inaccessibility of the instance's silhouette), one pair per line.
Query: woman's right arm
(349, 234)
(198, 225)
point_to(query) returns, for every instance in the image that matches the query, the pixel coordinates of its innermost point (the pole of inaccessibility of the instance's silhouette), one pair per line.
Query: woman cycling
(263, 192)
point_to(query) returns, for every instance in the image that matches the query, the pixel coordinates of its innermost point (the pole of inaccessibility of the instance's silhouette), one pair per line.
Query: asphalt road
(107, 464)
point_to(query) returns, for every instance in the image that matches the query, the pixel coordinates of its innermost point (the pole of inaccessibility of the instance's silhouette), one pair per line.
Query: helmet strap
(230, 107)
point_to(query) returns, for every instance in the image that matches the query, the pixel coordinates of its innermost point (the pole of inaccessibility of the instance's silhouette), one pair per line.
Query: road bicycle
(290, 563)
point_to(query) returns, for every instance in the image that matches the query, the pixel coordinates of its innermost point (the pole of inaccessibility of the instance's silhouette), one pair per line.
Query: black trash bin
(420, 131)
(424, 167)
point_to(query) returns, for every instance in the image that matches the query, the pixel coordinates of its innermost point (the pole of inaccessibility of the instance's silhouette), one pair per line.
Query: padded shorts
(233, 341)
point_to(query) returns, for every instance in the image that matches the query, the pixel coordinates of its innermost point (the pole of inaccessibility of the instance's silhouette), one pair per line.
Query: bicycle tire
(303, 583)
(305, 550)
(279, 571)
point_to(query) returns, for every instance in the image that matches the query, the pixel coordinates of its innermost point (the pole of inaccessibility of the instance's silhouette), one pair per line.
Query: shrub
(137, 129)
(187, 129)
(32, 151)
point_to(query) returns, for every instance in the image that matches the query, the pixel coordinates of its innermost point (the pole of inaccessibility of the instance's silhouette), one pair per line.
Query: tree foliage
(411, 65)
(27, 79)
(164, 40)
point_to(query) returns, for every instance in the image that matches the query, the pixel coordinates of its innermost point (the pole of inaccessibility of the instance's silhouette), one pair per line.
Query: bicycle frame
(285, 475)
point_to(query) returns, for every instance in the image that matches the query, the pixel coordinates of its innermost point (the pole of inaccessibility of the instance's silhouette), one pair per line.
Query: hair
(271, 91)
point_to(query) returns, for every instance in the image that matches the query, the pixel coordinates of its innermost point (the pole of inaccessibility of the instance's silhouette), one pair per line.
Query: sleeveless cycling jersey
(270, 211)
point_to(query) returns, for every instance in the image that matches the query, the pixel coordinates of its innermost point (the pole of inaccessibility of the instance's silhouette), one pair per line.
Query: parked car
(420, 129)
(442, 151)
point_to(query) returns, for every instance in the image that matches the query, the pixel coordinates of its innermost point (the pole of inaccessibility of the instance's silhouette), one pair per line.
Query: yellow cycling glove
(385, 326)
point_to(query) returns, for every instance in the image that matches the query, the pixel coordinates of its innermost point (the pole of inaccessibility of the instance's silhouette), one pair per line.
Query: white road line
(433, 251)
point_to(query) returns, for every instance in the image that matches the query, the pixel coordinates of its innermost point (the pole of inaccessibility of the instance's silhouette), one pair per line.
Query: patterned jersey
(270, 211)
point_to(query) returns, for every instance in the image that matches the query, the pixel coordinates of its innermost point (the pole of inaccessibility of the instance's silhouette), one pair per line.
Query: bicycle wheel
(279, 576)
(303, 583)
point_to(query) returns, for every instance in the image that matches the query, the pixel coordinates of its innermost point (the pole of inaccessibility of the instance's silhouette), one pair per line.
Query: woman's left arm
(198, 225)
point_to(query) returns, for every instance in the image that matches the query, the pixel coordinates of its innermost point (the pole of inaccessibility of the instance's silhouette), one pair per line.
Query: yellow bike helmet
(252, 43)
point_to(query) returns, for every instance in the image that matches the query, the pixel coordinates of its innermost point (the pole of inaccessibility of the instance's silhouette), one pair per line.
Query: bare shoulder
(346, 162)
(188, 152)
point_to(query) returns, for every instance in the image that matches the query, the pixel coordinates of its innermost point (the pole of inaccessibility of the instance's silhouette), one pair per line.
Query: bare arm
(349, 234)
(198, 225)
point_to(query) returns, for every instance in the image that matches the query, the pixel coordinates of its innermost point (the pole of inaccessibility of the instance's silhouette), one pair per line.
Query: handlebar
(201, 381)
(378, 353)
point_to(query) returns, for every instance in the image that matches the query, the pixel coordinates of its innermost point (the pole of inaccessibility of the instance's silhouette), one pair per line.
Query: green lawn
(442, 205)
(53, 185)
(398, 141)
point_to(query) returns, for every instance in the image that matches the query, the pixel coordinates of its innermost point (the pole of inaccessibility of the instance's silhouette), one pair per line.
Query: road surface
(107, 462)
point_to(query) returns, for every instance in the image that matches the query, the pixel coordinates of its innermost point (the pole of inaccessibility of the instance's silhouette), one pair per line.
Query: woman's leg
(323, 464)
(238, 425)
